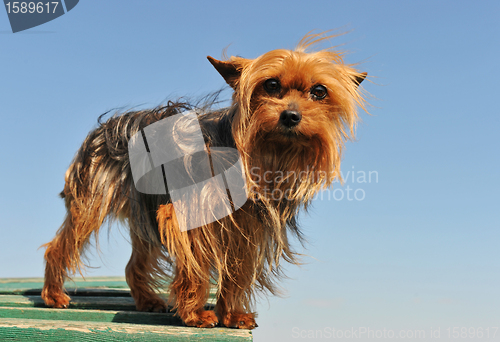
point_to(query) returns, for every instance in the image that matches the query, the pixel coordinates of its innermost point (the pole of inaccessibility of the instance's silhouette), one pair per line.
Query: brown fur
(242, 252)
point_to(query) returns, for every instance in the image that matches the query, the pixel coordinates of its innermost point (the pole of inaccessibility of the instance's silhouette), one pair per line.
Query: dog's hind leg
(142, 273)
(57, 256)
(63, 253)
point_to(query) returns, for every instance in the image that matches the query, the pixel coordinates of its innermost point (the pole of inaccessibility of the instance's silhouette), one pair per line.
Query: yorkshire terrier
(291, 113)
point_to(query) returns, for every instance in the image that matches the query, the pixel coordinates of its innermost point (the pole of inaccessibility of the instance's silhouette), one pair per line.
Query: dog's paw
(55, 298)
(151, 305)
(240, 320)
(203, 319)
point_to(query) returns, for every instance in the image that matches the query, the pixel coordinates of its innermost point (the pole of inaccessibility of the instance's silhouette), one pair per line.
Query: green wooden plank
(86, 280)
(36, 330)
(132, 317)
(93, 292)
(89, 302)
(40, 280)
(77, 286)
(18, 284)
(99, 303)
(109, 282)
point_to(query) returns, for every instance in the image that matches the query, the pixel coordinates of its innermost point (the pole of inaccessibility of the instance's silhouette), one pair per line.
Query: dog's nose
(290, 118)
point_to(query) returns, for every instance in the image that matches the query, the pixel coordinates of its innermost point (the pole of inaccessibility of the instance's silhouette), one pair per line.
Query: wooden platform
(101, 310)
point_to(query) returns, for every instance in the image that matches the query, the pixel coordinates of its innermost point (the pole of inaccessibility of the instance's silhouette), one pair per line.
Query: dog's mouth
(290, 133)
(282, 134)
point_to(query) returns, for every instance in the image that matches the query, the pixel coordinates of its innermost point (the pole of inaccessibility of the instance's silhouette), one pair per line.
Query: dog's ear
(360, 78)
(229, 70)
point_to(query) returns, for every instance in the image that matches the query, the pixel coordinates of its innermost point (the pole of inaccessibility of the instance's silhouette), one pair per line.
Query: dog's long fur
(242, 252)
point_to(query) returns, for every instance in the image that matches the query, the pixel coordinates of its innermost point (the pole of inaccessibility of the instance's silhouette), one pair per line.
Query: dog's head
(295, 109)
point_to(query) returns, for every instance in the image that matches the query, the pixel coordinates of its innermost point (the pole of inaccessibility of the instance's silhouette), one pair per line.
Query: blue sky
(419, 251)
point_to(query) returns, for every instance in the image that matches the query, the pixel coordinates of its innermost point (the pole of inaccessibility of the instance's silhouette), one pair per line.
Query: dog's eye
(318, 92)
(272, 86)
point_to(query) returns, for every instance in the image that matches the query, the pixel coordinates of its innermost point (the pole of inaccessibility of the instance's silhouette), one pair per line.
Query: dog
(291, 113)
